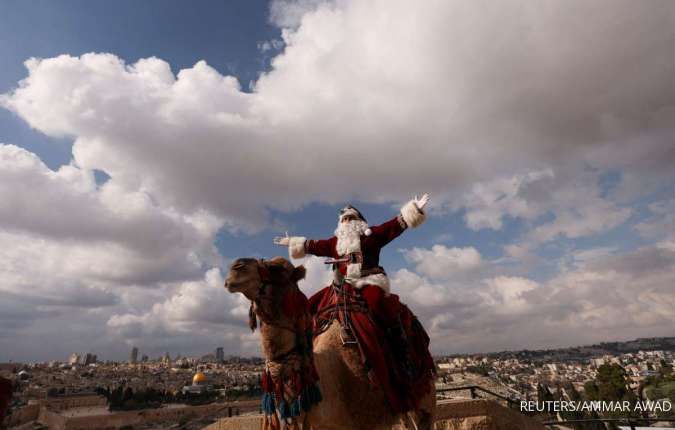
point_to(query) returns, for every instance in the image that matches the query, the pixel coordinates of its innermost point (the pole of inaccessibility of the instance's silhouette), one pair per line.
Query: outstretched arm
(412, 215)
(299, 246)
(413, 211)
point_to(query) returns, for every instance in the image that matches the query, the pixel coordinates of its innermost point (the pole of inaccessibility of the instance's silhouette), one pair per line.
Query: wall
(481, 414)
(450, 415)
(67, 402)
(48, 412)
(51, 419)
(120, 419)
(22, 415)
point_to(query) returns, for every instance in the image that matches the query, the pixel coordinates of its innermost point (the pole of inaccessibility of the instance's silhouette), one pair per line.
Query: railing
(631, 423)
(474, 389)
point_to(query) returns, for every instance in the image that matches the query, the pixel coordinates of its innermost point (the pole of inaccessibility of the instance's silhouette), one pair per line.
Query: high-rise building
(88, 359)
(220, 354)
(73, 359)
(144, 358)
(166, 359)
(134, 355)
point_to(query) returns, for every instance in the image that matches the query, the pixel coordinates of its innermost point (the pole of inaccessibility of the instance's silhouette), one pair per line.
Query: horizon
(255, 357)
(145, 146)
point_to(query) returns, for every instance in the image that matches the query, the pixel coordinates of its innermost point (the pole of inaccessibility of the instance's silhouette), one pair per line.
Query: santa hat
(351, 210)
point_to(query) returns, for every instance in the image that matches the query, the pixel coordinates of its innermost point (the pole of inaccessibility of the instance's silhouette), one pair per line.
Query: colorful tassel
(268, 404)
(295, 408)
(284, 410)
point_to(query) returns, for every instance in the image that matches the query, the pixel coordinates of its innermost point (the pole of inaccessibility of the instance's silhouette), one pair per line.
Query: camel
(349, 399)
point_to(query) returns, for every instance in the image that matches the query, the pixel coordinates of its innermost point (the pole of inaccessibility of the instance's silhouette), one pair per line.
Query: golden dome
(198, 378)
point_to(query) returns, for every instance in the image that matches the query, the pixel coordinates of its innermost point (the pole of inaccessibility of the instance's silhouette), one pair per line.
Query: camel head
(265, 283)
(247, 275)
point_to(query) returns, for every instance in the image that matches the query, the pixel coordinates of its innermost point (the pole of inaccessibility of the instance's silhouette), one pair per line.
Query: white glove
(282, 240)
(421, 202)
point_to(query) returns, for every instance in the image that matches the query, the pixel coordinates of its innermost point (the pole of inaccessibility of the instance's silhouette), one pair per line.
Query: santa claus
(355, 248)
(393, 343)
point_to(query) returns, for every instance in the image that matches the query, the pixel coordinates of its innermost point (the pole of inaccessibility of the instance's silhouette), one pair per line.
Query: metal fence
(631, 423)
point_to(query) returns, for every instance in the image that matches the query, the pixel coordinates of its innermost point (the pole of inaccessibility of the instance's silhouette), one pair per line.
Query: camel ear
(299, 273)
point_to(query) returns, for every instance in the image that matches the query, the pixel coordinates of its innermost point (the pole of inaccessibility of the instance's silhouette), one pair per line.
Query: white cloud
(489, 202)
(661, 223)
(506, 294)
(573, 199)
(289, 13)
(592, 216)
(605, 295)
(60, 225)
(506, 109)
(442, 262)
(318, 275)
(440, 105)
(194, 312)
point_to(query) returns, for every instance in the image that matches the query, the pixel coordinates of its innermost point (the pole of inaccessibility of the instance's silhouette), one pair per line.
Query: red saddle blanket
(400, 364)
(5, 397)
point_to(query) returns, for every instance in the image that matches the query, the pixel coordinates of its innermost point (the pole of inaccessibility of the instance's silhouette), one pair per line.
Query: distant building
(88, 359)
(133, 359)
(208, 358)
(144, 358)
(220, 354)
(199, 385)
(73, 359)
(166, 359)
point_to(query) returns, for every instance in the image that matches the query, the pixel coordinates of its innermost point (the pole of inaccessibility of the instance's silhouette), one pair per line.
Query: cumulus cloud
(193, 312)
(289, 13)
(607, 295)
(443, 262)
(487, 203)
(71, 230)
(512, 110)
(428, 101)
(661, 222)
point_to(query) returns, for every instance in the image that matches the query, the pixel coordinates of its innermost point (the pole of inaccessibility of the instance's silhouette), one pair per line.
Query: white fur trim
(350, 211)
(379, 279)
(368, 232)
(412, 215)
(296, 246)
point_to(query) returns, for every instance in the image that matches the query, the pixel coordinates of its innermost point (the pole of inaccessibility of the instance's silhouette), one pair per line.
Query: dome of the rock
(199, 378)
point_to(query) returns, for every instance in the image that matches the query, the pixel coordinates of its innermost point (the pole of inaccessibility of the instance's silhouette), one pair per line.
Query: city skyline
(143, 147)
(666, 343)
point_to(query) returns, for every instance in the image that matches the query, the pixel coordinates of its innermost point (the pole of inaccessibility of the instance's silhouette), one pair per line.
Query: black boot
(400, 349)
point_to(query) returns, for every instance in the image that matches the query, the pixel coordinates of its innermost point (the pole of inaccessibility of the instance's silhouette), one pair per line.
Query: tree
(610, 385)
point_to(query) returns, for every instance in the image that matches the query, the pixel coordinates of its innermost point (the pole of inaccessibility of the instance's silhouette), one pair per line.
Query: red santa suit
(359, 269)
(363, 270)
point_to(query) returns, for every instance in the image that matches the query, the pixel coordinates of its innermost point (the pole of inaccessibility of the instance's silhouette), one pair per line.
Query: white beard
(349, 236)
(349, 240)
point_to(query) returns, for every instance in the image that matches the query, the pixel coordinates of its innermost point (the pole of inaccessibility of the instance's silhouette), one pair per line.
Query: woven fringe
(268, 404)
(284, 410)
(295, 407)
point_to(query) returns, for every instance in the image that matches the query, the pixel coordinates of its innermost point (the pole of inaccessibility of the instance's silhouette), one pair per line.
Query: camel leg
(425, 420)
(427, 409)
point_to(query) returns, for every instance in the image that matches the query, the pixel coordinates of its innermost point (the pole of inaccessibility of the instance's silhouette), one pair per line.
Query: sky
(146, 145)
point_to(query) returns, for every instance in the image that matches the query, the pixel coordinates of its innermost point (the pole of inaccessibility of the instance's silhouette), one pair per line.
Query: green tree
(610, 385)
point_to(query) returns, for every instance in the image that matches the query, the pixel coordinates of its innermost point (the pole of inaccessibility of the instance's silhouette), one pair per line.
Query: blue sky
(172, 30)
(149, 143)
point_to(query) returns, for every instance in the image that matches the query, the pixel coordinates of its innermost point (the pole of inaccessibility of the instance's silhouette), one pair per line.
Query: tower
(73, 359)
